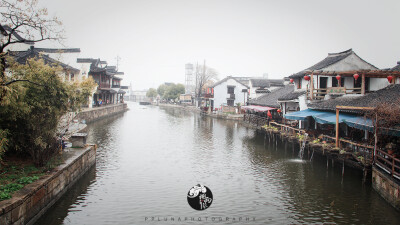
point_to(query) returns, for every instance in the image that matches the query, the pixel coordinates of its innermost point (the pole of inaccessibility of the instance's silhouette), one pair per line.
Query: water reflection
(148, 158)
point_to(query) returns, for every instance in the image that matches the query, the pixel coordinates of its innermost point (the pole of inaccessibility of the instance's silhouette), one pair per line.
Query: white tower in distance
(189, 79)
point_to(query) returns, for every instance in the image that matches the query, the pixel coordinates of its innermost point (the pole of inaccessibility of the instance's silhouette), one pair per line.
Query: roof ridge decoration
(341, 53)
(59, 50)
(271, 99)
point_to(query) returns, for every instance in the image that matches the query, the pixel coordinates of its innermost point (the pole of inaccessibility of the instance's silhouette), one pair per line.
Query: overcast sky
(155, 38)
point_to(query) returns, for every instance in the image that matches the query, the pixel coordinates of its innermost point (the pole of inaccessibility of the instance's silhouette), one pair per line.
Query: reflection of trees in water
(99, 128)
(176, 112)
(230, 128)
(75, 195)
(103, 133)
(203, 130)
(206, 126)
(175, 115)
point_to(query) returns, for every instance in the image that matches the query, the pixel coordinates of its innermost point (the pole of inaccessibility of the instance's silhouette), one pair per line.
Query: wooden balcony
(319, 93)
(104, 85)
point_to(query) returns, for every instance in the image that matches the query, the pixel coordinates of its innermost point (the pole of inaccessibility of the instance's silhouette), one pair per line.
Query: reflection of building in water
(139, 96)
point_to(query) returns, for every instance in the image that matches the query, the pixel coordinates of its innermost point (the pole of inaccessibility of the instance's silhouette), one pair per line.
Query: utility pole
(118, 58)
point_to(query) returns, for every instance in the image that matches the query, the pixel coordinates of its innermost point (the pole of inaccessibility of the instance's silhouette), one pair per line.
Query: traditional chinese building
(107, 78)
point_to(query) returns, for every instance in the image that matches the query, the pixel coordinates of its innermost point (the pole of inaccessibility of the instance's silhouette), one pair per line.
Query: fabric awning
(302, 115)
(327, 117)
(355, 121)
(257, 108)
(360, 123)
(330, 117)
(367, 124)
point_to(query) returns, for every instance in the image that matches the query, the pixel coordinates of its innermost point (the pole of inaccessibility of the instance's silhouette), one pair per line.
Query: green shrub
(4, 195)
(316, 141)
(27, 180)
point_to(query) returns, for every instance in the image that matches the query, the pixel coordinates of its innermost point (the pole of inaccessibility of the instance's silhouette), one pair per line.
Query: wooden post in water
(337, 128)
(343, 168)
(364, 175)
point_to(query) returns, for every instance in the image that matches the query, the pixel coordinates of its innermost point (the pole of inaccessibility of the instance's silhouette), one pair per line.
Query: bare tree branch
(14, 81)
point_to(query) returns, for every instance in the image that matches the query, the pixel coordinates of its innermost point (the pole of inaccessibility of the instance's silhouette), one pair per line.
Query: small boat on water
(144, 103)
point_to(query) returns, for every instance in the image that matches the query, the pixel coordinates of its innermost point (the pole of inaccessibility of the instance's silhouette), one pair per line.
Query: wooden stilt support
(364, 175)
(337, 128)
(343, 169)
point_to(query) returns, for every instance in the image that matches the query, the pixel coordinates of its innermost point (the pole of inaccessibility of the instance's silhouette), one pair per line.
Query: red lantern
(307, 78)
(279, 111)
(390, 79)
(269, 114)
(338, 77)
(291, 81)
(356, 76)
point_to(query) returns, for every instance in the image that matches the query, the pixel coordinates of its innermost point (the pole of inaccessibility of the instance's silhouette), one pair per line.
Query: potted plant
(390, 148)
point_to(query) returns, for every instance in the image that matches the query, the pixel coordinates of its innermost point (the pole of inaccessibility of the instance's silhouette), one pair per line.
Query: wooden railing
(104, 85)
(287, 128)
(367, 151)
(319, 93)
(388, 163)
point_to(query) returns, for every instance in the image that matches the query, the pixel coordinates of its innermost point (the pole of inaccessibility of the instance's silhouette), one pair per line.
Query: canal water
(149, 157)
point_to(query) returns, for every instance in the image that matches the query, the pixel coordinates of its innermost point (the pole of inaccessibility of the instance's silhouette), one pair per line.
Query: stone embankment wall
(386, 187)
(29, 203)
(94, 114)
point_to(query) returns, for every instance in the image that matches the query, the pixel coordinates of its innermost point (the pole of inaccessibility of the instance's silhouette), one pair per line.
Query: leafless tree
(386, 115)
(204, 76)
(22, 21)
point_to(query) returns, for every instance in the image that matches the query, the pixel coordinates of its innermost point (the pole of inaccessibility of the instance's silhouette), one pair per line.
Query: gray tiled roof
(397, 67)
(266, 83)
(22, 56)
(271, 99)
(260, 83)
(329, 60)
(227, 78)
(291, 96)
(389, 94)
(59, 50)
(332, 58)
